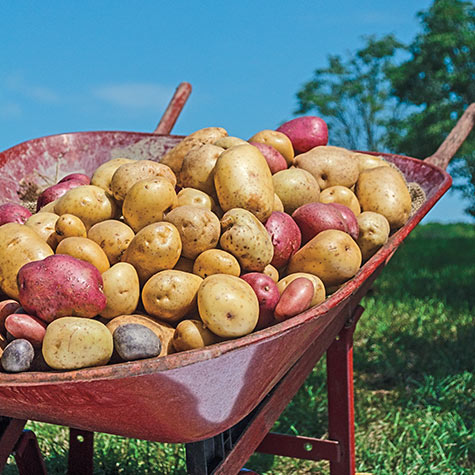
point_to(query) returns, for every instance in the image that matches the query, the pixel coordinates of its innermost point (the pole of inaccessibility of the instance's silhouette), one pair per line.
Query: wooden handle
(174, 109)
(455, 139)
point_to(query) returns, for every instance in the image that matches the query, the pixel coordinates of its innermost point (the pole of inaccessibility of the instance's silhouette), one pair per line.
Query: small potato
(13, 213)
(192, 334)
(319, 289)
(154, 248)
(69, 225)
(28, 327)
(374, 231)
(102, 176)
(74, 342)
(342, 195)
(228, 305)
(295, 187)
(122, 290)
(171, 294)
(278, 140)
(89, 203)
(228, 142)
(146, 202)
(295, 299)
(130, 173)
(272, 272)
(199, 229)
(366, 161)
(18, 356)
(216, 261)
(44, 224)
(113, 236)
(133, 341)
(86, 250)
(194, 197)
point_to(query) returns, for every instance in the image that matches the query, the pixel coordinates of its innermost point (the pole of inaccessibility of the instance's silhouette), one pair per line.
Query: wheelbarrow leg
(28, 458)
(81, 452)
(10, 432)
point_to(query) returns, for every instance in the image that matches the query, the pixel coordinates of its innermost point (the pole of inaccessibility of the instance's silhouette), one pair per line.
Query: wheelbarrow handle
(174, 108)
(455, 139)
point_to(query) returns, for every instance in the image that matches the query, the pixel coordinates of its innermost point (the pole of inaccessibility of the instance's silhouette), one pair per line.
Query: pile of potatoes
(220, 238)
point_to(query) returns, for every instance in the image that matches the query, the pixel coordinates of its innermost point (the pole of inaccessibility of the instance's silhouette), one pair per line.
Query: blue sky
(70, 66)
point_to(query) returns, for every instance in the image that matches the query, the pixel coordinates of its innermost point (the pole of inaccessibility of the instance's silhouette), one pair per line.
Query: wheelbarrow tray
(193, 395)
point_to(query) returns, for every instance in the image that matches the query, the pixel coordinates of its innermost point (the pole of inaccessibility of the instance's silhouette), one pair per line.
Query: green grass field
(414, 377)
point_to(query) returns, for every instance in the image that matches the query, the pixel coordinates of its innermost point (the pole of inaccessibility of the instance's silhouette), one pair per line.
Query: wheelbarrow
(222, 400)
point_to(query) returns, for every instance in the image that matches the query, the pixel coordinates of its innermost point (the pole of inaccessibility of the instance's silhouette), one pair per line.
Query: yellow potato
(86, 250)
(75, 342)
(278, 205)
(192, 334)
(171, 295)
(69, 225)
(278, 140)
(91, 204)
(113, 236)
(194, 197)
(174, 158)
(130, 173)
(154, 248)
(384, 191)
(122, 290)
(243, 179)
(229, 141)
(146, 202)
(319, 294)
(366, 161)
(374, 232)
(342, 195)
(295, 187)
(272, 272)
(228, 305)
(216, 261)
(331, 255)
(246, 238)
(19, 244)
(48, 208)
(199, 229)
(330, 166)
(197, 170)
(102, 175)
(44, 224)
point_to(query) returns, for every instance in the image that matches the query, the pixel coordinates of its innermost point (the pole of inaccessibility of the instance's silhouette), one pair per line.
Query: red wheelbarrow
(221, 400)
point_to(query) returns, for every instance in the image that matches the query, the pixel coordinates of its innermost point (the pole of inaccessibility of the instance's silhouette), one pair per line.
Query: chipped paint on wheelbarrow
(196, 394)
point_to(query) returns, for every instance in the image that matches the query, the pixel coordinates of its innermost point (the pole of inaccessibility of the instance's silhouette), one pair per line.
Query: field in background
(414, 377)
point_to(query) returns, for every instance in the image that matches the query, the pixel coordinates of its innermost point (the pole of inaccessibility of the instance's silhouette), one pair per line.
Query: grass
(414, 377)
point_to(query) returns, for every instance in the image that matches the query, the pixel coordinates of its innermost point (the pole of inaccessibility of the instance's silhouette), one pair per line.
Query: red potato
(31, 328)
(313, 218)
(305, 132)
(61, 285)
(267, 294)
(13, 213)
(295, 299)
(84, 179)
(274, 158)
(286, 237)
(350, 219)
(56, 191)
(7, 307)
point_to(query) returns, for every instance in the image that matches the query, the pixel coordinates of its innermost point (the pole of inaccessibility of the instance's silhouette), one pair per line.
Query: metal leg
(10, 432)
(81, 452)
(28, 458)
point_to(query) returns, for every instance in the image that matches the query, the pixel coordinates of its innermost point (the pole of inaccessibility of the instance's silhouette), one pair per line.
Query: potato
(374, 232)
(7, 307)
(113, 236)
(246, 238)
(146, 202)
(305, 132)
(199, 229)
(366, 161)
(102, 176)
(49, 208)
(18, 356)
(278, 140)
(209, 135)
(74, 342)
(134, 341)
(171, 295)
(130, 173)
(163, 330)
(319, 294)
(330, 166)
(29, 327)
(295, 299)
(81, 177)
(154, 248)
(384, 191)
(192, 334)
(194, 197)
(278, 205)
(13, 213)
(61, 285)
(198, 168)
(272, 272)
(19, 245)
(227, 305)
(331, 255)
(86, 250)
(342, 195)
(44, 224)
(122, 290)
(295, 187)
(216, 261)
(274, 158)
(68, 225)
(228, 142)
(89, 203)
(54, 192)
(243, 180)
